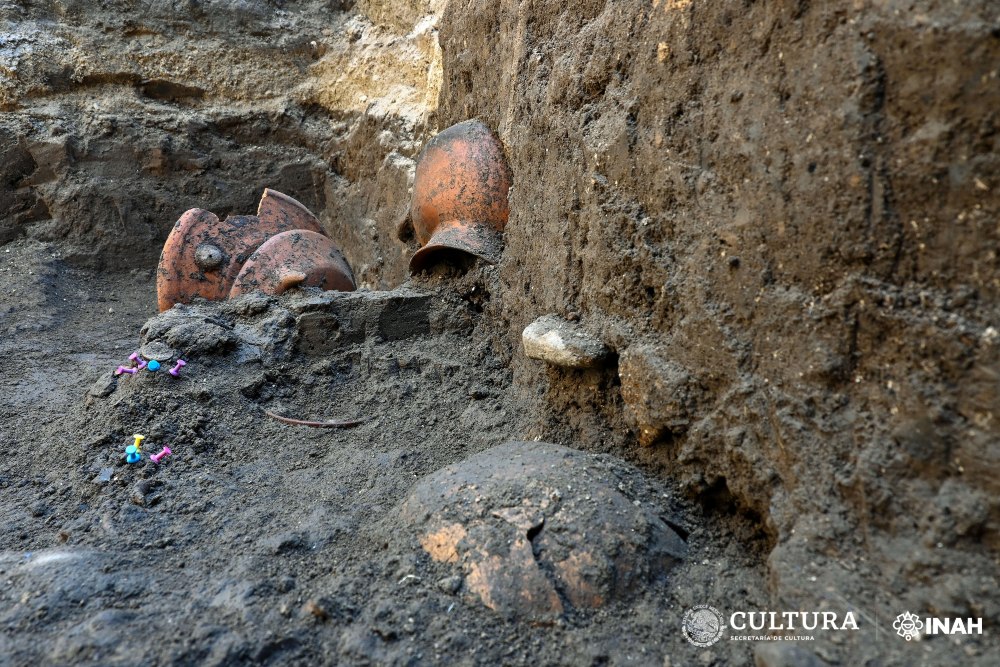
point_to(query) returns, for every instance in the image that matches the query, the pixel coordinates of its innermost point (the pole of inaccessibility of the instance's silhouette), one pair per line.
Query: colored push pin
(138, 441)
(122, 369)
(175, 371)
(153, 365)
(132, 454)
(155, 458)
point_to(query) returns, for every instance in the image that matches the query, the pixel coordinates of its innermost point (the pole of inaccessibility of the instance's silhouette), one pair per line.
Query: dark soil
(257, 541)
(780, 218)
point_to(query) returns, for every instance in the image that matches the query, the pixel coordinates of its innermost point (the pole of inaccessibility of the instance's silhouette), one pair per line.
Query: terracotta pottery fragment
(292, 259)
(203, 255)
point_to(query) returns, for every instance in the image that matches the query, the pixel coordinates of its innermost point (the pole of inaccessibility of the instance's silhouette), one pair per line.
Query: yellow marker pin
(138, 441)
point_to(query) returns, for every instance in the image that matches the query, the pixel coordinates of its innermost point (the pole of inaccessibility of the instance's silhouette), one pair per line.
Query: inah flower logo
(908, 626)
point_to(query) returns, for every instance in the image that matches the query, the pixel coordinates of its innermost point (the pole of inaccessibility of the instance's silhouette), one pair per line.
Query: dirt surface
(259, 541)
(780, 219)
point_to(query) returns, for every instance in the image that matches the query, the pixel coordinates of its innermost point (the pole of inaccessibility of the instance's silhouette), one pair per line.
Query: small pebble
(104, 386)
(141, 491)
(315, 610)
(158, 350)
(450, 584)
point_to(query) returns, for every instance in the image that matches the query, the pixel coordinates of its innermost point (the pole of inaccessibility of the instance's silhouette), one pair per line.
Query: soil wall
(781, 216)
(117, 118)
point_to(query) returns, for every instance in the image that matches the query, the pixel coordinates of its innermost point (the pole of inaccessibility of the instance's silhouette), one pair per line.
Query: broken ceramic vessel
(203, 256)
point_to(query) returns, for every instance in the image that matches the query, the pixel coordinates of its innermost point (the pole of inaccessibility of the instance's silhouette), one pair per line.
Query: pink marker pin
(137, 360)
(155, 458)
(175, 371)
(122, 369)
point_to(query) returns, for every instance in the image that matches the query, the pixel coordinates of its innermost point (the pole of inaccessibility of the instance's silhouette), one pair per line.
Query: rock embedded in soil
(104, 386)
(537, 527)
(104, 476)
(157, 351)
(555, 341)
(450, 585)
(200, 337)
(659, 393)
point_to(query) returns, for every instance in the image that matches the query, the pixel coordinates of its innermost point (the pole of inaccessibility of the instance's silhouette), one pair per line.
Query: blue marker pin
(132, 454)
(153, 365)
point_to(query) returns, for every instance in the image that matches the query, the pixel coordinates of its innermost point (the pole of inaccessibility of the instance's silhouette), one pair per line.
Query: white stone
(555, 341)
